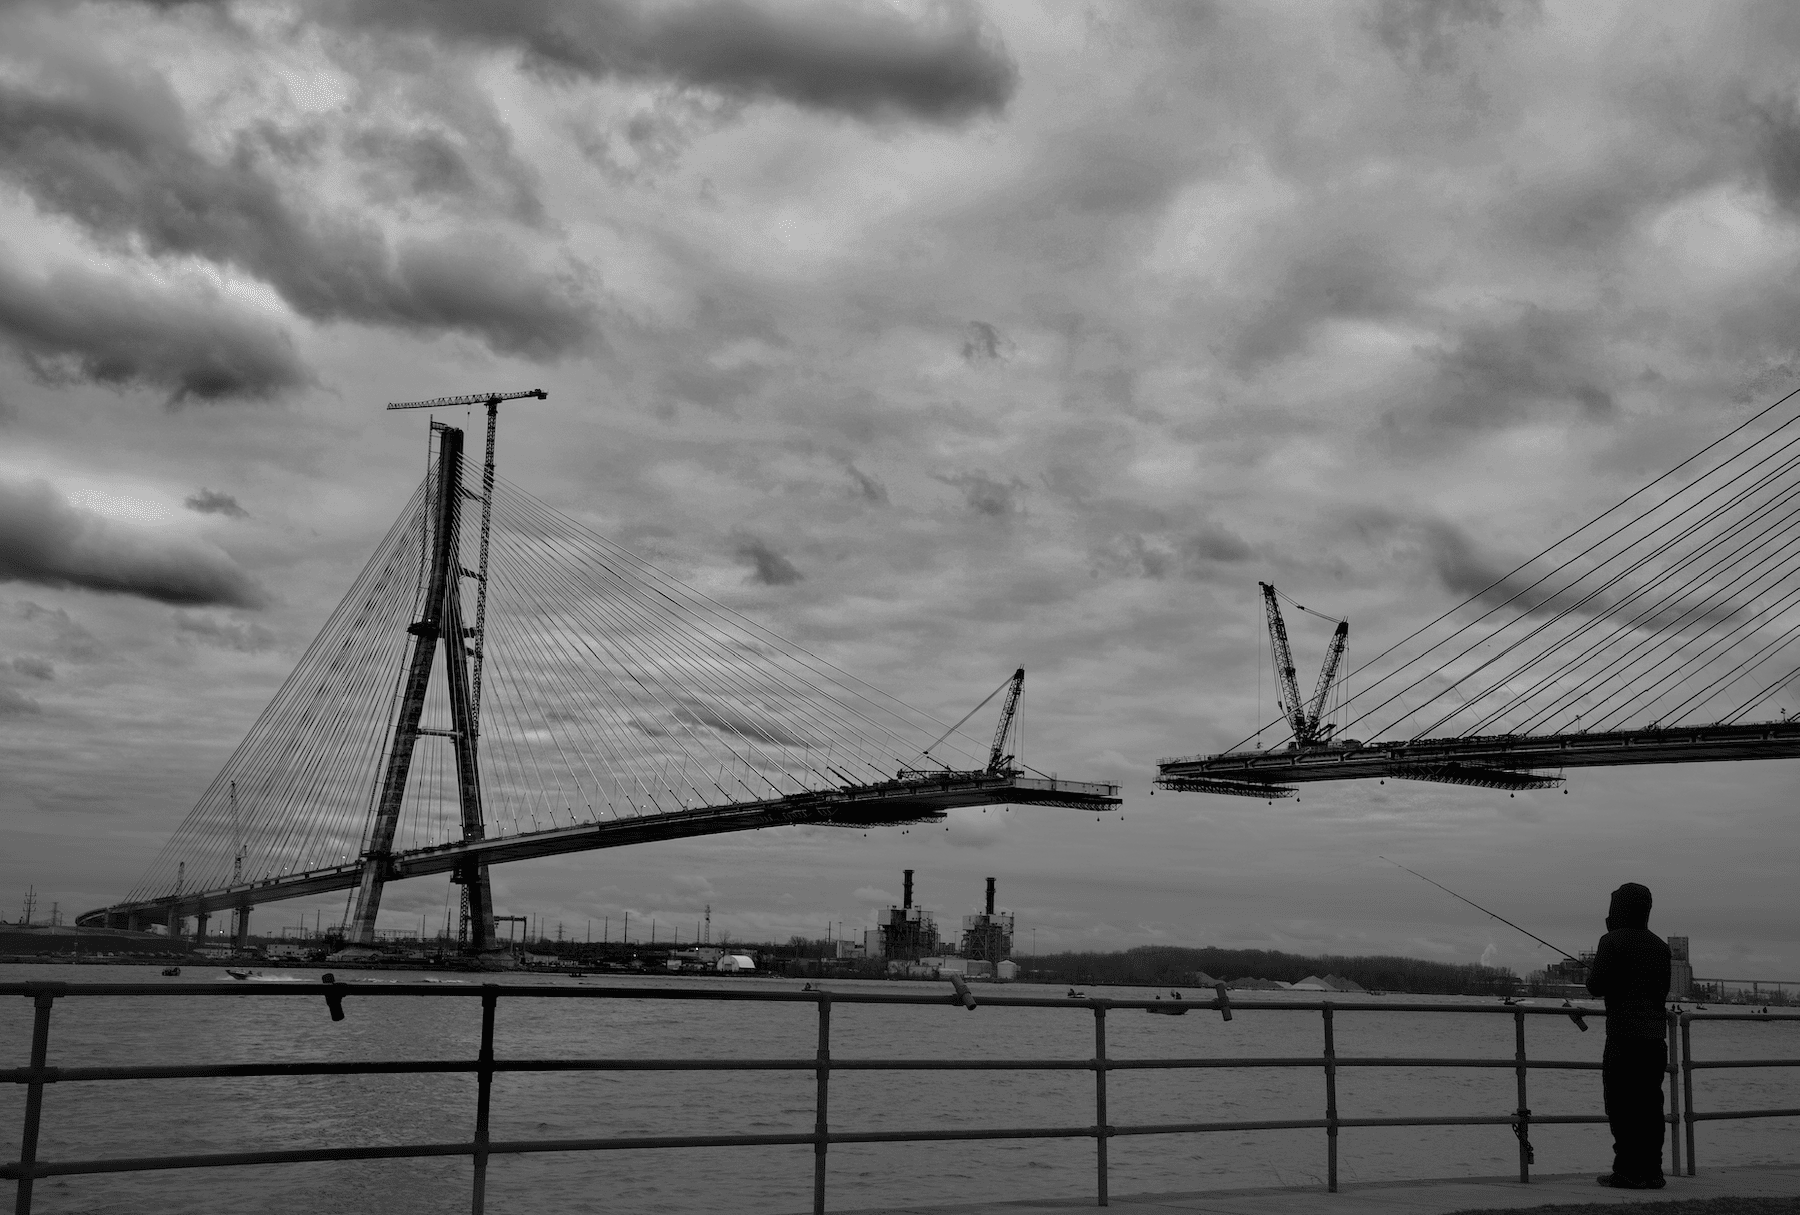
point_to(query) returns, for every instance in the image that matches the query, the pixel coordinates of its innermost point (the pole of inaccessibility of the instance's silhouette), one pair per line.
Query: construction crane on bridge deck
(998, 759)
(1302, 717)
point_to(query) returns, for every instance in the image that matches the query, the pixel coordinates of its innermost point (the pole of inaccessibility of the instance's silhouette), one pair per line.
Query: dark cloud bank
(76, 324)
(848, 58)
(45, 540)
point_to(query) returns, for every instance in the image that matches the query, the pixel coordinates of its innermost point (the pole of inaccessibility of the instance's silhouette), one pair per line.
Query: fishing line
(1478, 907)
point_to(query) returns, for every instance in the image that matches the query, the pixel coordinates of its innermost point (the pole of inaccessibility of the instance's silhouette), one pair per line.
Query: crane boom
(1327, 674)
(1287, 686)
(997, 757)
(470, 398)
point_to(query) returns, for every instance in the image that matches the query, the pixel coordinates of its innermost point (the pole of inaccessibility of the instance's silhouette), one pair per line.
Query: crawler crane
(1302, 718)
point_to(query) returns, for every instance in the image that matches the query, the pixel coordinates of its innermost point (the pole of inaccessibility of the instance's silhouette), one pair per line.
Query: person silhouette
(1631, 973)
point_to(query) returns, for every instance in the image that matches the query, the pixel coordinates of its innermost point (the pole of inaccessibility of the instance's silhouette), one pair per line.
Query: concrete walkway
(1391, 1198)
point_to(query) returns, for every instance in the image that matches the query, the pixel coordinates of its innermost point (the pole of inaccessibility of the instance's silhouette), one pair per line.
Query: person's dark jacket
(1631, 968)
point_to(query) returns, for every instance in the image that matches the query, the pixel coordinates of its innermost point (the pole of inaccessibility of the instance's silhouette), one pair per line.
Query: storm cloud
(853, 59)
(766, 565)
(112, 149)
(77, 324)
(46, 541)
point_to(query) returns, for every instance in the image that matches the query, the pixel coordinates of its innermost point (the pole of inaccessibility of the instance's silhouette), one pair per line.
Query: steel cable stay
(520, 672)
(812, 713)
(745, 625)
(526, 677)
(1525, 615)
(1768, 650)
(694, 747)
(679, 660)
(1645, 616)
(1633, 692)
(626, 741)
(1761, 696)
(260, 755)
(1542, 553)
(774, 692)
(1618, 668)
(1747, 548)
(1551, 622)
(1563, 568)
(1608, 716)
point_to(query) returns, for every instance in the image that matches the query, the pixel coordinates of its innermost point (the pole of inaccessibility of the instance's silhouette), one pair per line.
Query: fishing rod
(1478, 907)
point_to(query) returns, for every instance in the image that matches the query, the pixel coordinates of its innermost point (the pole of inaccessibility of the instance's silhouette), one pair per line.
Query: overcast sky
(946, 338)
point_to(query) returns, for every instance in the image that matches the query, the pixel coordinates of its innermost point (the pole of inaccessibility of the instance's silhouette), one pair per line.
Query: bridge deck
(913, 800)
(1500, 761)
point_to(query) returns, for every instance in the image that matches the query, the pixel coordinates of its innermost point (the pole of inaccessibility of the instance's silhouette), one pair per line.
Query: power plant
(907, 937)
(988, 935)
(905, 932)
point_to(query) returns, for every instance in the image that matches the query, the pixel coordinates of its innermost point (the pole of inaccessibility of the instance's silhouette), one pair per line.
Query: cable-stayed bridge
(527, 688)
(1660, 631)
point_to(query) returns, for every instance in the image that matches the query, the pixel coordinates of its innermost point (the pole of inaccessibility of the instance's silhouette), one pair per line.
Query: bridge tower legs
(440, 619)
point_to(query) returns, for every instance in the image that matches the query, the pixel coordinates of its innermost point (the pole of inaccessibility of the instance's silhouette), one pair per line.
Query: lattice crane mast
(998, 758)
(1302, 717)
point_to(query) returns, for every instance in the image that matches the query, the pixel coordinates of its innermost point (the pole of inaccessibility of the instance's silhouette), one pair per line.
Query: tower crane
(492, 401)
(1302, 718)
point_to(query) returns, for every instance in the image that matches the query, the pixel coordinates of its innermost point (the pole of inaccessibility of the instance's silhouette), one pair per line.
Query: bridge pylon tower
(440, 620)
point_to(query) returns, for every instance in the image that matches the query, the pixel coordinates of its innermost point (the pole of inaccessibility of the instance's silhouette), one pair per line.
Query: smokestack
(990, 910)
(906, 899)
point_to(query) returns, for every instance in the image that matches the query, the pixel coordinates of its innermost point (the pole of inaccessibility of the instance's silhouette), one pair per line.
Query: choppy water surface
(156, 1117)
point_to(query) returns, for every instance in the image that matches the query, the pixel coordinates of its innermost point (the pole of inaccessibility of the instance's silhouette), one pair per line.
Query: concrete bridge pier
(240, 926)
(200, 928)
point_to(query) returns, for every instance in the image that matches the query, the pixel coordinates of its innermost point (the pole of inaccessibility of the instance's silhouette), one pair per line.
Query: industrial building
(905, 933)
(988, 936)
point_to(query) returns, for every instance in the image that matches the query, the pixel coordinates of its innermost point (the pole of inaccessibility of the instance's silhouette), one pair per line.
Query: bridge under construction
(526, 688)
(1657, 632)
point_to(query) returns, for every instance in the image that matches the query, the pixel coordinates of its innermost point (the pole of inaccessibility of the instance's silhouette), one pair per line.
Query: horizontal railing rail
(40, 1073)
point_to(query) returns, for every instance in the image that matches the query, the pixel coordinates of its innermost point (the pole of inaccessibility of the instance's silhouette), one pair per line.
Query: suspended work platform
(1502, 761)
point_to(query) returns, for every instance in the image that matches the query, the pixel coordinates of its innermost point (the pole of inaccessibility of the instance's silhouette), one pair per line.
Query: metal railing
(1689, 1065)
(481, 1148)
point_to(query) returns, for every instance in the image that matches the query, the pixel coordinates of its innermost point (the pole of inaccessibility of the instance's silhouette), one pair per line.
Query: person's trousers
(1631, 1074)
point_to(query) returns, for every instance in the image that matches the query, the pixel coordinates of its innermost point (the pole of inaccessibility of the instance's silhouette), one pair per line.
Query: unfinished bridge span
(526, 688)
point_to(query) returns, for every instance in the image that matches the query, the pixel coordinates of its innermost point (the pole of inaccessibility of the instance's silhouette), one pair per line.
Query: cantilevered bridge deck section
(1502, 761)
(881, 805)
(1665, 629)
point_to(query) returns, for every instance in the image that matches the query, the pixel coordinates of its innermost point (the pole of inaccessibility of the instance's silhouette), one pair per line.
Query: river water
(136, 1118)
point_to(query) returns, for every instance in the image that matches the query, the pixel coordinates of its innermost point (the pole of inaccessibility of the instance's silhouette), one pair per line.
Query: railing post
(821, 1124)
(1674, 1098)
(1101, 1130)
(1687, 1084)
(1331, 1110)
(1522, 1127)
(34, 1097)
(484, 1093)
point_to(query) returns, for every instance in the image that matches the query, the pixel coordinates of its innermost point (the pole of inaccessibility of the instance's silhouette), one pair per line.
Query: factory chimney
(990, 905)
(906, 899)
